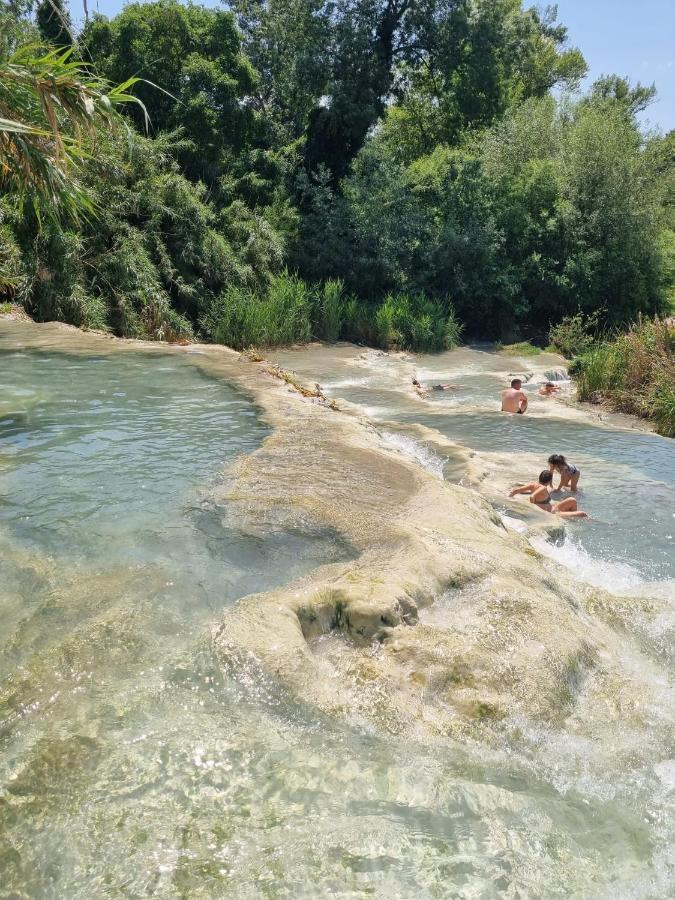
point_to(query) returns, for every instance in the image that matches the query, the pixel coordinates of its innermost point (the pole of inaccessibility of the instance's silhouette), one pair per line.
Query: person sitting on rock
(540, 495)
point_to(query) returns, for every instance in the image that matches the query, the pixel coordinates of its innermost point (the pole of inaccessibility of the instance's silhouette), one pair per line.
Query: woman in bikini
(540, 495)
(569, 474)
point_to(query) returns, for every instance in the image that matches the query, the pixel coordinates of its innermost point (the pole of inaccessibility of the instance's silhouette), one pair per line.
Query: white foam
(346, 382)
(513, 524)
(615, 577)
(416, 451)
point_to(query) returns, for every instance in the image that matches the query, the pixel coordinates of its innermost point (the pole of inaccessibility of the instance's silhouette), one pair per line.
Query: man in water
(513, 398)
(424, 391)
(548, 389)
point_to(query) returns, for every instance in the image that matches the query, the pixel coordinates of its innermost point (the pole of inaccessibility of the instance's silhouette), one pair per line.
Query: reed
(288, 311)
(633, 373)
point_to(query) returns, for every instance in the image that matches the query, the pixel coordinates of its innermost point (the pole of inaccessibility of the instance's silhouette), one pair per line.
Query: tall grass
(242, 318)
(634, 373)
(413, 322)
(290, 312)
(329, 310)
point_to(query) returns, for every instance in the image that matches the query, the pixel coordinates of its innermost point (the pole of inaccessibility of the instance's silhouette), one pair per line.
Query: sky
(622, 37)
(636, 40)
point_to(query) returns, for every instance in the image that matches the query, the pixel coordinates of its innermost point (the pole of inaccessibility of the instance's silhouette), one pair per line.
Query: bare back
(513, 400)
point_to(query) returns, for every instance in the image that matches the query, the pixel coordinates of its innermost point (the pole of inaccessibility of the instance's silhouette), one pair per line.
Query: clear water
(628, 485)
(131, 767)
(628, 476)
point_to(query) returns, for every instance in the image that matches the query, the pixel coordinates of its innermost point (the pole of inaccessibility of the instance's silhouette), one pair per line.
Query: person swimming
(540, 495)
(569, 474)
(548, 389)
(422, 391)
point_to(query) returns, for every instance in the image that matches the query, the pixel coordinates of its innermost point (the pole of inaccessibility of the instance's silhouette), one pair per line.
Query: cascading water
(131, 764)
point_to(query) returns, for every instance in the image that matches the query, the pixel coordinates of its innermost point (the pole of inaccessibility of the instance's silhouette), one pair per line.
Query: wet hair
(415, 381)
(516, 381)
(549, 384)
(545, 477)
(557, 459)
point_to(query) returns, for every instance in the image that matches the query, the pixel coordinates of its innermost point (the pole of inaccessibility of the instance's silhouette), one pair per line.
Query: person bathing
(540, 495)
(548, 389)
(569, 474)
(432, 387)
(513, 398)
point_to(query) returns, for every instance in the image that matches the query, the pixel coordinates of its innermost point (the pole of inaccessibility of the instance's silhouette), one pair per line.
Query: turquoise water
(130, 766)
(627, 484)
(628, 476)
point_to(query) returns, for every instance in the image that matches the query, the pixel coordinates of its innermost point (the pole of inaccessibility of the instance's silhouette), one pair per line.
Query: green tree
(617, 90)
(53, 22)
(339, 64)
(196, 77)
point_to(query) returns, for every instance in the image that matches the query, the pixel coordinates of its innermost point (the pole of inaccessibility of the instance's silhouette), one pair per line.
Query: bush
(635, 373)
(573, 335)
(241, 318)
(287, 313)
(11, 264)
(414, 322)
(329, 310)
(358, 322)
(524, 348)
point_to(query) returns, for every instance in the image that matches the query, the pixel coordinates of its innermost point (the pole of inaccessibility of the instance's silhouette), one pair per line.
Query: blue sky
(632, 39)
(616, 36)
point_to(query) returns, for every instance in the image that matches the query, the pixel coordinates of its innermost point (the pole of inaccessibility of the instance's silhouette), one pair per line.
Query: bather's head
(516, 384)
(416, 382)
(545, 477)
(557, 461)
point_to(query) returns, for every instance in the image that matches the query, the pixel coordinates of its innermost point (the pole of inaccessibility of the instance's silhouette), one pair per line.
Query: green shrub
(386, 316)
(414, 322)
(663, 409)
(241, 318)
(524, 348)
(635, 373)
(358, 322)
(452, 329)
(11, 265)
(329, 310)
(574, 334)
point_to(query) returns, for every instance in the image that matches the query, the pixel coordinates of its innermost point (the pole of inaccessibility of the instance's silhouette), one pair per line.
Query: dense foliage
(374, 170)
(634, 373)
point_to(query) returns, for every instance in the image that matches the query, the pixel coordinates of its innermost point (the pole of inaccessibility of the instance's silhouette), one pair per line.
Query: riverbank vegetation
(395, 173)
(633, 373)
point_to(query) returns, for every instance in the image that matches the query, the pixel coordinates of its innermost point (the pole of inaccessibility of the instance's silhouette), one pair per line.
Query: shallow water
(628, 476)
(130, 766)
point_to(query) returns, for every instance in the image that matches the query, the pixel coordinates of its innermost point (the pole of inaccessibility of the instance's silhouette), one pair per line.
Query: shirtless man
(513, 398)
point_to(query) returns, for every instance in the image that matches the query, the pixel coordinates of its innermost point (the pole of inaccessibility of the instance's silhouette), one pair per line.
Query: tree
(195, 76)
(53, 22)
(471, 59)
(617, 90)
